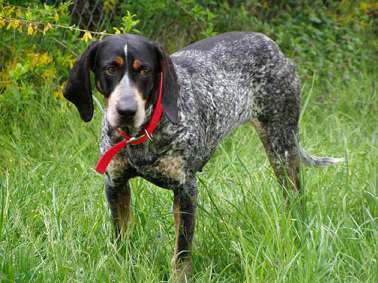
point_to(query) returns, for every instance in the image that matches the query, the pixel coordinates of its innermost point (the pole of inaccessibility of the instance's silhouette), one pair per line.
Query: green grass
(55, 226)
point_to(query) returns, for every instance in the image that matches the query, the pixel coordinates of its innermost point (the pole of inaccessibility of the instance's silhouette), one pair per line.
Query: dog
(204, 92)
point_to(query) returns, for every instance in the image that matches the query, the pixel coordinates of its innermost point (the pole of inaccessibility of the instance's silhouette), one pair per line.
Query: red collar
(145, 134)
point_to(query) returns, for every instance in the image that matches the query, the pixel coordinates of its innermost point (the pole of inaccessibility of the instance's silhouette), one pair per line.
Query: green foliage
(128, 23)
(322, 37)
(31, 55)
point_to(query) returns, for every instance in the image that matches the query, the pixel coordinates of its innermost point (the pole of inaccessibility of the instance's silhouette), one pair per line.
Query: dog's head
(127, 72)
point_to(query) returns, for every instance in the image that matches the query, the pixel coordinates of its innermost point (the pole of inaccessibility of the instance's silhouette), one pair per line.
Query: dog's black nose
(127, 107)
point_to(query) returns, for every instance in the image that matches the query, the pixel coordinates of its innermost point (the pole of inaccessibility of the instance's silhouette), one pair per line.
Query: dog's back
(230, 79)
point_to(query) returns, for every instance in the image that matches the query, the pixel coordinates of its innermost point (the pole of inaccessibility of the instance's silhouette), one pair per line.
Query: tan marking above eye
(137, 64)
(119, 61)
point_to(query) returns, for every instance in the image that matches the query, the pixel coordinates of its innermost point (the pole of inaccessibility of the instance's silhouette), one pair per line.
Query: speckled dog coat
(222, 82)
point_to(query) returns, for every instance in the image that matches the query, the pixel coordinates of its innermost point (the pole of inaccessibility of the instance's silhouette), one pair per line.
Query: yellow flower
(47, 27)
(49, 74)
(37, 59)
(13, 24)
(87, 36)
(116, 30)
(30, 29)
(45, 59)
(59, 92)
(8, 10)
(5, 75)
(2, 22)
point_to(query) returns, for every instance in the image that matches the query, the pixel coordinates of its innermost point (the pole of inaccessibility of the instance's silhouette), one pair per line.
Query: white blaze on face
(125, 88)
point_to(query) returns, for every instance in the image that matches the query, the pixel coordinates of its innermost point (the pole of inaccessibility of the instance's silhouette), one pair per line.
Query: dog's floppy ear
(170, 86)
(78, 87)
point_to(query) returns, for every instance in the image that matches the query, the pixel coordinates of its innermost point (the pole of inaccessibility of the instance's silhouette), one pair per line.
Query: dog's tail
(317, 161)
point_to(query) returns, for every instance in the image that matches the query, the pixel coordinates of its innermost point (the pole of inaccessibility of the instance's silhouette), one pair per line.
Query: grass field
(55, 226)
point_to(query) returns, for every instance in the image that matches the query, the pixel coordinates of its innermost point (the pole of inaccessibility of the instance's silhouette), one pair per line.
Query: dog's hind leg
(279, 140)
(277, 122)
(118, 194)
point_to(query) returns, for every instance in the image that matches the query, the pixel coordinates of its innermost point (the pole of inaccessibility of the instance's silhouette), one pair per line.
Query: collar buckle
(149, 136)
(133, 139)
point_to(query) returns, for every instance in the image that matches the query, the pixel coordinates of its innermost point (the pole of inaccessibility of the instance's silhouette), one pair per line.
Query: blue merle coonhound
(209, 88)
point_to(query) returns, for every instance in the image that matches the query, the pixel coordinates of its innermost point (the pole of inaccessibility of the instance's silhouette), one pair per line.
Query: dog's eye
(110, 70)
(144, 70)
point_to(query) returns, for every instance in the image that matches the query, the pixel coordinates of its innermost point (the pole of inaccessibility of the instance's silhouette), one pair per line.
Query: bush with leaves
(38, 44)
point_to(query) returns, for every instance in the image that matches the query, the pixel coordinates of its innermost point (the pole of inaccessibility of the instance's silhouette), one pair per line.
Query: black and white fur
(210, 88)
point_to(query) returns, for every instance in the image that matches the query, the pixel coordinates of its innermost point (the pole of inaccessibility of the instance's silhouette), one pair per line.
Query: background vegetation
(54, 224)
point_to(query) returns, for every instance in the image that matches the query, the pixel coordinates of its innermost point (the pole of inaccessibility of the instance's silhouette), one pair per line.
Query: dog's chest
(161, 161)
(168, 169)
(162, 169)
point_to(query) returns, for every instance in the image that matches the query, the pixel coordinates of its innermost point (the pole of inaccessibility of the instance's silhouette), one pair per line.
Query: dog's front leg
(118, 194)
(184, 208)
